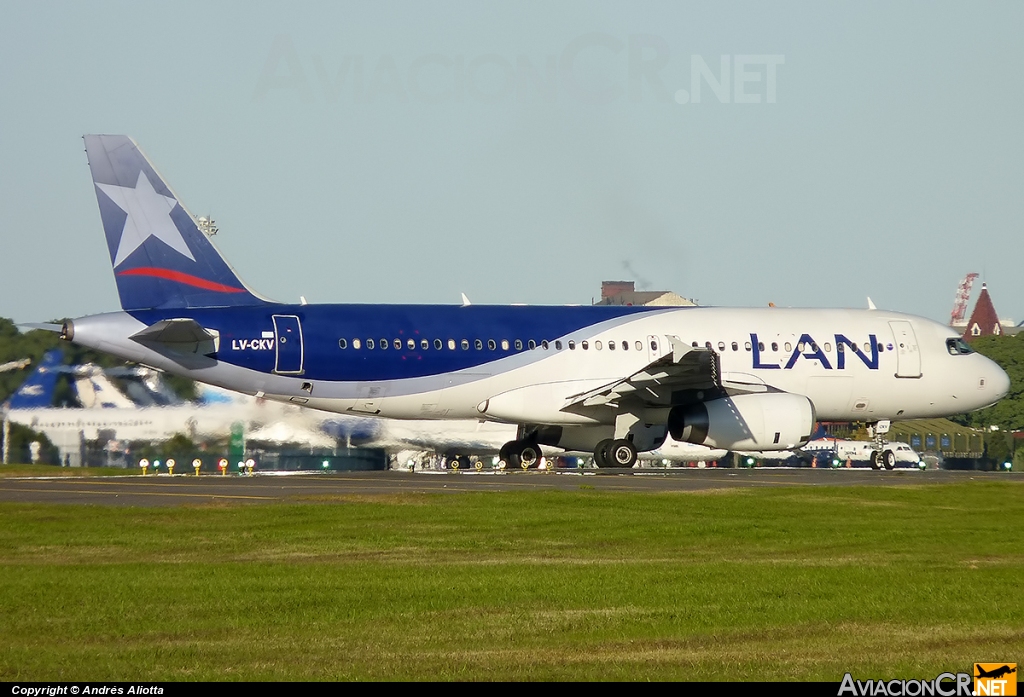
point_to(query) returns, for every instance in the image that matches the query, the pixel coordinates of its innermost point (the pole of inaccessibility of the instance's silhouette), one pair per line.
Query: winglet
(465, 301)
(871, 305)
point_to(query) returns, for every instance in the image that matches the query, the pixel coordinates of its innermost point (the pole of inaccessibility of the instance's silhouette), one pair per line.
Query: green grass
(787, 583)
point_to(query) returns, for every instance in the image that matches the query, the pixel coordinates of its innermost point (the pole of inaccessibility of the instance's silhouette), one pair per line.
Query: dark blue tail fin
(160, 258)
(37, 391)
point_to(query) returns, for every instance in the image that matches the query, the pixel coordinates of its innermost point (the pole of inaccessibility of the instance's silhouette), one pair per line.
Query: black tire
(876, 460)
(506, 450)
(889, 459)
(622, 454)
(529, 455)
(601, 453)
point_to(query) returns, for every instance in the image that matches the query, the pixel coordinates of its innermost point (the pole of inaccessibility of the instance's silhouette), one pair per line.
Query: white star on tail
(149, 215)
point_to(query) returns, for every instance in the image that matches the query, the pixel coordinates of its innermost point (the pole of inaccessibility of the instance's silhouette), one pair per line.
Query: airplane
(995, 673)
(681, 451)
(610, 380)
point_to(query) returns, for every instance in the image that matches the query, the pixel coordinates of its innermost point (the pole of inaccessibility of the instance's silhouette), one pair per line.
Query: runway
(181, 490)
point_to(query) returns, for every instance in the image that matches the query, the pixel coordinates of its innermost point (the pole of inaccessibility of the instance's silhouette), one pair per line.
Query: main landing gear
(520, 454)
(615, 453)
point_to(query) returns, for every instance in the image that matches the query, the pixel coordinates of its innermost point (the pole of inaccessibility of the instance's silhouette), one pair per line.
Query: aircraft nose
(997, 382)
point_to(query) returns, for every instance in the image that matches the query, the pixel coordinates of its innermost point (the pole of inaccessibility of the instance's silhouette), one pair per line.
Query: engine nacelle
(769, 421)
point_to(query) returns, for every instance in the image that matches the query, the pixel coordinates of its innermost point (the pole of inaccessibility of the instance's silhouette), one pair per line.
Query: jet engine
(767, 421)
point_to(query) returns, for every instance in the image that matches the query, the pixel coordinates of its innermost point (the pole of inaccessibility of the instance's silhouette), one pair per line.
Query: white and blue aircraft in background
(603, 379)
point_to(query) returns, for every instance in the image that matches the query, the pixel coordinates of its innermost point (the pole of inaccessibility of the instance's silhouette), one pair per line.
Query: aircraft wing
(685, 368)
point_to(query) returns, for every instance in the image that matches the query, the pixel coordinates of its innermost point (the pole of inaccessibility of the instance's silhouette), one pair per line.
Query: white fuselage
(905, 372)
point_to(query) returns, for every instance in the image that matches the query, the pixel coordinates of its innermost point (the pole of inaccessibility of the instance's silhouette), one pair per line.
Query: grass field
(783, 583)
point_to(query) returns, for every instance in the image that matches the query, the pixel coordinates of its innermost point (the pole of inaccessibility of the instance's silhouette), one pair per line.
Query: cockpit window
(958, 347)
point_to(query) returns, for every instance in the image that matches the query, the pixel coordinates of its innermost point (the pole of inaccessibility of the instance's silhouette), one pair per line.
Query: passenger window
(342, 344)
(611, 345)
(504, 344)
(532, 344)
(558, 345)
(584, 345)
(760, 346)
(384, 343)
(654, 345)
(746, 345)
(735, 346)
(478, 344)
(369, 343)
(775, 346)
(694, 344)
(639, 346)
(800, 347)
(438, 344)
(424, 344)
(867, 346)
(491, 345)
(840, 348)
(544, 344)
(625, 345)
(597, 345)
(789, 346)
(880, 348)
(814, 347)
(451, 344)
(465, 344)
(355, 343)
(572, 345)
(398, 343)
(410, 344)
(828, 347)
(707, 345)
(721, 345)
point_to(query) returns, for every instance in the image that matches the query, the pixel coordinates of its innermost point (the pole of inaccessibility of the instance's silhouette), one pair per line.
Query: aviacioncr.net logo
(944, 685)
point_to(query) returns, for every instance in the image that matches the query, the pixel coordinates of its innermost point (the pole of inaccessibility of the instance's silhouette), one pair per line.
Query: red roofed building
(984, 321)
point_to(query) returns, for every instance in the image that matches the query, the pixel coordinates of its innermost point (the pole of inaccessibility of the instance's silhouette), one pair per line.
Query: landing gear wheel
(876, 460)
(505, 456)
(622, 454)
(601, 453)
(529, 455)
(889, 459)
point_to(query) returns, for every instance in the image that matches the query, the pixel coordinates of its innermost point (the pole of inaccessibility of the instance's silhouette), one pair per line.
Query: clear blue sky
(523, 152)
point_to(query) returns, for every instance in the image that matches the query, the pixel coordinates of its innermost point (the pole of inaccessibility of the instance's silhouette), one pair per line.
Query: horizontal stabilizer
(180, 335)
(46, 327)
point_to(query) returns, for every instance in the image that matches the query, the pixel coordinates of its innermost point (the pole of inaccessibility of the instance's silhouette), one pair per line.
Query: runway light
(326, 464)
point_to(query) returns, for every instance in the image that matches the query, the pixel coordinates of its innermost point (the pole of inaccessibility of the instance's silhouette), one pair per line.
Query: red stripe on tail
(180, 277)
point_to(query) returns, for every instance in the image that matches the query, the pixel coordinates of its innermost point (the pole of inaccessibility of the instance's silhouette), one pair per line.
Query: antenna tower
(963, 294)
